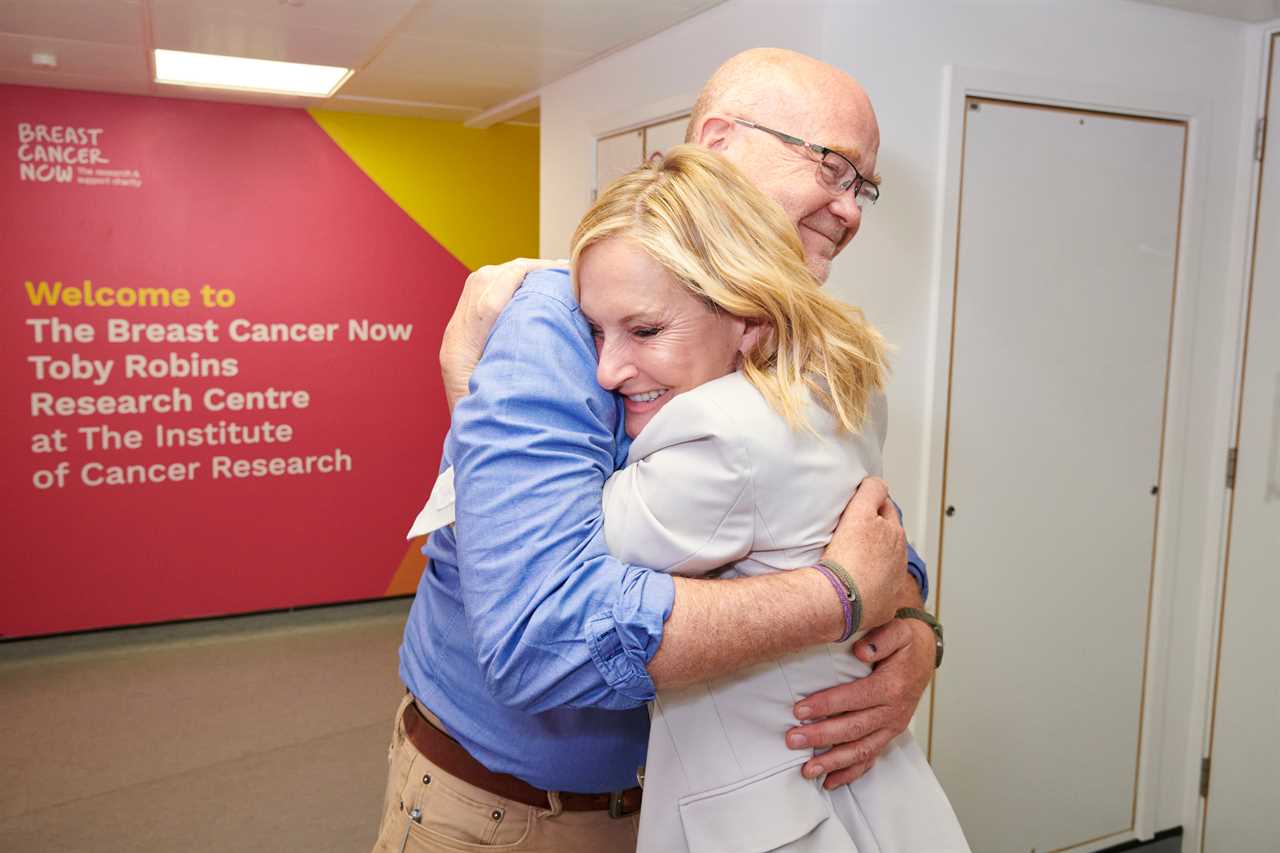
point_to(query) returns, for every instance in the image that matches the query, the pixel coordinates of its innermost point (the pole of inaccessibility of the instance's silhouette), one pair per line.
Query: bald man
(799, 95)
(529, 652)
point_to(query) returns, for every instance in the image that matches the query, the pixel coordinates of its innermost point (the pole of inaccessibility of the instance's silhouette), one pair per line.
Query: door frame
(1249, 193)
(635, 118)
(961, 83)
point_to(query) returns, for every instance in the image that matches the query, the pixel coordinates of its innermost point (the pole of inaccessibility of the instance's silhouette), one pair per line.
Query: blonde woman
(755, 404)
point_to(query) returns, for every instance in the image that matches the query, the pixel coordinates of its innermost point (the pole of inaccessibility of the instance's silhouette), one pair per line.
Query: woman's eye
(646, 332)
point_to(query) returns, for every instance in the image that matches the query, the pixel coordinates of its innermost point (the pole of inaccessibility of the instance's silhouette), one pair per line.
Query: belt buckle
(615, 804)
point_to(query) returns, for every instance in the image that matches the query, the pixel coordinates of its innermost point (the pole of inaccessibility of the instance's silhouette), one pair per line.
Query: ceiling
(478, 61)
(1252, 11)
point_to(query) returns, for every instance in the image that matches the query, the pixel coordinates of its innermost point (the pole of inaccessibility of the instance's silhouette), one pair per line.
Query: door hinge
(1232, 455)
(1260, 139)
(1204, 776)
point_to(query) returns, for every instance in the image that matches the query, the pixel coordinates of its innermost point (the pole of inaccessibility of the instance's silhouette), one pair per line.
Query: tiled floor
(265, 733)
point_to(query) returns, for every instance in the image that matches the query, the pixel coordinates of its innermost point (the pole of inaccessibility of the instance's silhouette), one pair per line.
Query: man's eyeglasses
(836, 172)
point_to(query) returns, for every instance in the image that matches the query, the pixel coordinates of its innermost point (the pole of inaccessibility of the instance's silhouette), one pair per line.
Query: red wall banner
(220, 381)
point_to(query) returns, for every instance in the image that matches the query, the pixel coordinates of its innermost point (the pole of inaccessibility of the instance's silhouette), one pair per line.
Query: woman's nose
(614, 367)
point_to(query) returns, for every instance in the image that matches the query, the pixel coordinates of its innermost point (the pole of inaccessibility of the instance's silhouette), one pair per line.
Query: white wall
(899, 49)
(656, 77)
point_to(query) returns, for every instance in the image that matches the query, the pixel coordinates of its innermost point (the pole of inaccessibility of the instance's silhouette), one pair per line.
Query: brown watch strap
(934, 625)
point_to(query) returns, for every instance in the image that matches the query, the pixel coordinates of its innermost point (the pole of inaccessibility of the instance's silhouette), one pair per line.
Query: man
(531, 646)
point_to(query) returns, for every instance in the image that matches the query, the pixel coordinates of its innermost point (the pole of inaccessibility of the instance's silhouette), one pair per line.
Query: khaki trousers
(427, 810)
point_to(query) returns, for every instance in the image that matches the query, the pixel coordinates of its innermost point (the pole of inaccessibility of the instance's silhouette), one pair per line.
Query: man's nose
(845, 208)
(614, 367)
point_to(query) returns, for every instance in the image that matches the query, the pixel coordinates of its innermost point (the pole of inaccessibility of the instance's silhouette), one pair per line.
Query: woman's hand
(486, 292)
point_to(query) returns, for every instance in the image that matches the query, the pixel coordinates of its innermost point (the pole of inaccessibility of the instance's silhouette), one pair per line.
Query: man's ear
(716, 132)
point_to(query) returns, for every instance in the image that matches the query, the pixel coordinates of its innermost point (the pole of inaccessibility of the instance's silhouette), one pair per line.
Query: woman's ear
(754, 332)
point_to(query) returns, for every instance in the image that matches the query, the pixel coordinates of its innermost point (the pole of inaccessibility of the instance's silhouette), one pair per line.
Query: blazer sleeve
(686, 503)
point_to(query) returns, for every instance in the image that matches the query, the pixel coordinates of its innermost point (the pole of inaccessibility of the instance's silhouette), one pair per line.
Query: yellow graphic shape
(474, 191)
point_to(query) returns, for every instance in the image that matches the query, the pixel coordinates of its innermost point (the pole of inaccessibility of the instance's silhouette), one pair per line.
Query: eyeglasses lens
(835, 173)
(838, 175)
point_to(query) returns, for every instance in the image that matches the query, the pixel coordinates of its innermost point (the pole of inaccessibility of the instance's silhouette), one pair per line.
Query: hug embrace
(661, 554)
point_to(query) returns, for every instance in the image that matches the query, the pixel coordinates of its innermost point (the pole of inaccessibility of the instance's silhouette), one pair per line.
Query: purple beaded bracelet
(844, 601)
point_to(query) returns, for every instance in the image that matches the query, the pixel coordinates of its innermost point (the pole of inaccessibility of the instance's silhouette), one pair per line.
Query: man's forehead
(837, 116)
(809, 99)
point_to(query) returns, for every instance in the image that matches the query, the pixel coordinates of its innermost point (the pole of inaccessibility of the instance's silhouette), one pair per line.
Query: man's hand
(486, 292)
(857, 720)
(869, 543)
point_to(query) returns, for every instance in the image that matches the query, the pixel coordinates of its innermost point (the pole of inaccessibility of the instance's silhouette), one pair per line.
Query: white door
(660, 137)
(1243, 807)
(1064, 291)
(616, 155)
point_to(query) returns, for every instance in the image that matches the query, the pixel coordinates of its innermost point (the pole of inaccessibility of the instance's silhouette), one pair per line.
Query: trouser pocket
(448, 814)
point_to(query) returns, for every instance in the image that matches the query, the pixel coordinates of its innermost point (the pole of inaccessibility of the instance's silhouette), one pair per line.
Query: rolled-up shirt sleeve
(555, 620)
(915, 565)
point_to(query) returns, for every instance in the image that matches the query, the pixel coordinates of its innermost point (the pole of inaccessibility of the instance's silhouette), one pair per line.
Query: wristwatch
(926, 618)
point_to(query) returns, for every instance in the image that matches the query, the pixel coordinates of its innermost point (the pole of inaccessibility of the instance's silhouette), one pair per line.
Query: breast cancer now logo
(50, 153)
(64, 154)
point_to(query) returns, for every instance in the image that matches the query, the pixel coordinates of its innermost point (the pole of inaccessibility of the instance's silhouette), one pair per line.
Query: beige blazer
(718, 484)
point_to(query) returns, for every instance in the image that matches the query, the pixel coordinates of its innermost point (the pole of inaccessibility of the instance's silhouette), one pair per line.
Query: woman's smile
(654, 339)
(644, 405)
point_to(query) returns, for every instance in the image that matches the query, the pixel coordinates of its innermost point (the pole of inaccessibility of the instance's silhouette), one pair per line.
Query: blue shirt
(527, 639)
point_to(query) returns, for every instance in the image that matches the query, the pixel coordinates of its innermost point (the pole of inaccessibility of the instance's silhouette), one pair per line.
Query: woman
(755, 405)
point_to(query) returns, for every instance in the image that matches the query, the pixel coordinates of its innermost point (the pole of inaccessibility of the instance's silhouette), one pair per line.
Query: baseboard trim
(1163, 835)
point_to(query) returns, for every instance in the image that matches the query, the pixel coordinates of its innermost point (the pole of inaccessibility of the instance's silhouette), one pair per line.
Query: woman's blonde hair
(734, 248)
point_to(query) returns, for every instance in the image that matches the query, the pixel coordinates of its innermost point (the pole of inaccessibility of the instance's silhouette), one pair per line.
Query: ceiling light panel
(210, 71)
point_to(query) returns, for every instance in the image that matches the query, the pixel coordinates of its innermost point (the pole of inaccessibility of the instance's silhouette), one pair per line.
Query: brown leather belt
(450, 757)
